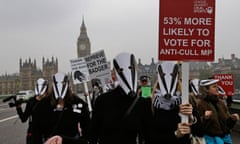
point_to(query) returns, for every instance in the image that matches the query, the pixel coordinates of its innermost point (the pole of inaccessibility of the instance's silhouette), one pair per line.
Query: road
(12, 131)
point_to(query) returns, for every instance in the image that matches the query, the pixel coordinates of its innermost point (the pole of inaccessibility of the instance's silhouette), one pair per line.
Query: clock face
(82, 46)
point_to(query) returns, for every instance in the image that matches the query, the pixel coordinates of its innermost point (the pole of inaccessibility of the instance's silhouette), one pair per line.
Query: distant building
(149, 70)
(83, 49)
(83, 42)
(227, 65)
(28, 74)
(196, 67)
(9, 84)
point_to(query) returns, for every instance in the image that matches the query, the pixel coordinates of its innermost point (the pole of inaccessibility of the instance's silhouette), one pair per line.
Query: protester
(112, 83)
(29, 113)
(119, 115)
(194, 95)
(63, 116)
(144, 90)
(97, 91)
(144, 84)
(167, 126)
(216, 119)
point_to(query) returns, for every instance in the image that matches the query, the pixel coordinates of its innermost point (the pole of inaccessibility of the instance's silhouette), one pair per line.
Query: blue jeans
(218, 140)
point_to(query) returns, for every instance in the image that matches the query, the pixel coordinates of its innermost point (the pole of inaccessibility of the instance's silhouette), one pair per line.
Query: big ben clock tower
(83, 43)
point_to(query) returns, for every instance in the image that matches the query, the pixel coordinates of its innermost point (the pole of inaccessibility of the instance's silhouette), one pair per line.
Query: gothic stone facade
(27, 76)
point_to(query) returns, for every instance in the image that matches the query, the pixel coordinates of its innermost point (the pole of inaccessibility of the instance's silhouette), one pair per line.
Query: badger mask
(165, 97)
(221, 91)
(41, 86)
(194, 85)
(60, 85)
(126, 72)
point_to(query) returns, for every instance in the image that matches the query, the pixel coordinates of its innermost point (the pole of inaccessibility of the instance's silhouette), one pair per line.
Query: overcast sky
(45, 28)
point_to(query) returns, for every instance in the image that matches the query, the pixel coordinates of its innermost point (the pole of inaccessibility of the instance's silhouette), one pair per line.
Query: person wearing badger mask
(65, 116)
(29, 113)
(194, 96)
(166, 125)
(119, 115)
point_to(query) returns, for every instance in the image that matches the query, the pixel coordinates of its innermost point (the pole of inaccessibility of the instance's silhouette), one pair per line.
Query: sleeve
(27, 112)
(197, 128)
(84, 120)
(94, 128)
(146, 116)
(230, 122)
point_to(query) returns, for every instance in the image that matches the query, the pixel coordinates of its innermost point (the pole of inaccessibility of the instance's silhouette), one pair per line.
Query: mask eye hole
(120, 70)
(162, 74)
(131, 67)
(63, 83)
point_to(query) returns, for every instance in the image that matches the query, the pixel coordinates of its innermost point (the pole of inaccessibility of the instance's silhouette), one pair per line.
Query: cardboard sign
(79, 71)
(186, 30)
(98, 66)
(226, 82)
(94, 66)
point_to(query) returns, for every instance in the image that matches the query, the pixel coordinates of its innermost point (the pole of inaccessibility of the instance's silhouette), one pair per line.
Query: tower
(28, 74)
(49, 67)
(83, 43)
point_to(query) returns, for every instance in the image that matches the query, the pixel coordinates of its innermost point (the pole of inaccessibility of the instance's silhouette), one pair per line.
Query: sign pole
(88, 97)
(185, 84)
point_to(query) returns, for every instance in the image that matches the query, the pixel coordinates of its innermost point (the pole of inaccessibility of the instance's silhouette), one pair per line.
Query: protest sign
(98, 67)
(186, 30)
(226, 82)
(80, 72)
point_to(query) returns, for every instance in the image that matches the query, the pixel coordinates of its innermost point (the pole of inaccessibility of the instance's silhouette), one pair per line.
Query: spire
(83, 29)
(83, 43)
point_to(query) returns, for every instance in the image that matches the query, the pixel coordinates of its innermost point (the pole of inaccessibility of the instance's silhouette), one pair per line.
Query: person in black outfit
(144, 85)
(144, 82)
(97, 90)
(194, 96)
(167, 125)
(29, 112)
(63, 116)
(119, 115)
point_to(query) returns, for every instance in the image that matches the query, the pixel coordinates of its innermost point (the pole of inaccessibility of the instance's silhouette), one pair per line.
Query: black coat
(63, 122)
(164, 125)
(29, 114)
(112, 124)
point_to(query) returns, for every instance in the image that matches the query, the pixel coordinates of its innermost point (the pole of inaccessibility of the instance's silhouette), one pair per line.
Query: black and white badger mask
(41, 87)
(126, 72)
(221, 91)
(60, 85)
(194, 85)
(165, 97)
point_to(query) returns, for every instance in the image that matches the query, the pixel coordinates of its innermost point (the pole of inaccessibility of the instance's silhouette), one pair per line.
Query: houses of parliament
(29, 71)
